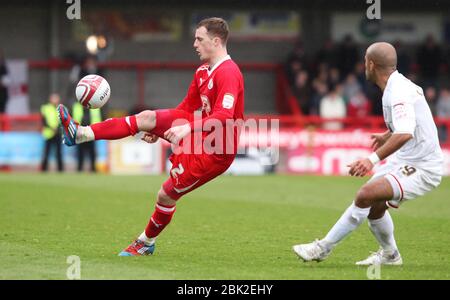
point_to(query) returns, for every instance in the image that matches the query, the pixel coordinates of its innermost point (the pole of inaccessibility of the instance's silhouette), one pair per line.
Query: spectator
(4, 82)
(443, 111)
(429, 59)
(320, 91)
(328, 54)
(431, 96)
(374, 93)
(360, 74)
(333, 106)
(334, 76)
(358, 106)
(347, 56)
(296, 61)
(351, 87)
(50, 132)
(302, 91)
(89, 66)
(403, 59)
(443, 103)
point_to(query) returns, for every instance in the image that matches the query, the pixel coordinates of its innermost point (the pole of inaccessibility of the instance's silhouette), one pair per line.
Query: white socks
(349, 221)
(148, 241)
(84, 134)
(383, 230)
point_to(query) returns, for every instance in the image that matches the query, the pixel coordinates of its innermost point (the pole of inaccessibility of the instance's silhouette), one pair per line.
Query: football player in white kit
(413, 167)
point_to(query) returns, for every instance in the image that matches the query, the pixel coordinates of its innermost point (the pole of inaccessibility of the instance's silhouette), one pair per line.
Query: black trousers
(89, 149)
(3, 100)
(54, 142)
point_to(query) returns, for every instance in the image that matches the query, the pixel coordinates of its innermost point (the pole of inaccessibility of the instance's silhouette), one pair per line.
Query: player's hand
(150, 138)
(378, 140)
(177, 133)
(360, 167)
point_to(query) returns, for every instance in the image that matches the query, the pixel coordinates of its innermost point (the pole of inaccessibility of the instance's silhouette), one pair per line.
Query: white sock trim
(84, 134)
(148, 241)
(165, 209)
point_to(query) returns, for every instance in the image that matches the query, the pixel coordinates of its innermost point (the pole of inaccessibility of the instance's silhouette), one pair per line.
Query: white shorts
(408, 182)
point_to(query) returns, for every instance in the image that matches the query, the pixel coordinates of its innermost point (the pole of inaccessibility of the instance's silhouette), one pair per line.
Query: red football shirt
(219, 93)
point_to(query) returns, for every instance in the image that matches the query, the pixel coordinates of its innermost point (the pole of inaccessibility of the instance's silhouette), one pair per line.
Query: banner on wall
(269, 25)
(132, 156)
(329, 152)
(18, 100)
(138, 26)
(408, 28)
(25, 149)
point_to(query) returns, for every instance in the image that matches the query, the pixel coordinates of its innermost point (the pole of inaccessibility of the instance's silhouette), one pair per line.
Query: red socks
(115, 128)
(159, 220)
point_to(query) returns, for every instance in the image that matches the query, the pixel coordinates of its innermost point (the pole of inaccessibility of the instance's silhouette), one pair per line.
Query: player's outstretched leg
(382, 227)
(110, 129)
(145, 243)
(371, 193)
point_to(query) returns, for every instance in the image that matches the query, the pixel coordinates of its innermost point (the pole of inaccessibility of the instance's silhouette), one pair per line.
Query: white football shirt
(406, 110)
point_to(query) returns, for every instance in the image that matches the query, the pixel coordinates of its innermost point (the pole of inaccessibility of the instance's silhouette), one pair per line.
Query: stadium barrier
(305, 146)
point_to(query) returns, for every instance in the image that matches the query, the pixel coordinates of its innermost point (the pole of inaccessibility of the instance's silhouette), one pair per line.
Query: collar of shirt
(218, 64)
(391, 78)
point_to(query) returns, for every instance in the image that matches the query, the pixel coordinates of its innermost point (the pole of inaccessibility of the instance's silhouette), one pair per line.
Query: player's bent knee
(146, 120)
(164, 199)
(363, 197)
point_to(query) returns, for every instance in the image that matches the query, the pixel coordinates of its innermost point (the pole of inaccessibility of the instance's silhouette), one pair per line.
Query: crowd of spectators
(332, 83)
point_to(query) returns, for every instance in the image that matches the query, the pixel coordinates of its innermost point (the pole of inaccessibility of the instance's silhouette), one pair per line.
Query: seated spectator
(351, 87)
(319, 91)
(443, 103)
(333, 106)
(358, 106)
(431, 96)
(334, 76)
(302, 91)
(443, 111)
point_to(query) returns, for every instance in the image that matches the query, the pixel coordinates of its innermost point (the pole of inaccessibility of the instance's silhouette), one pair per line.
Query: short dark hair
(217, 27)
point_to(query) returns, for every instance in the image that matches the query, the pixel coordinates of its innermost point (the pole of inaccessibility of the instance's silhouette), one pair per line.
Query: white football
(93, 91)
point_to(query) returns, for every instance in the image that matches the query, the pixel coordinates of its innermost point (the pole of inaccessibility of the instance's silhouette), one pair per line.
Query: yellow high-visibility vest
(78, 113)
(50, 115)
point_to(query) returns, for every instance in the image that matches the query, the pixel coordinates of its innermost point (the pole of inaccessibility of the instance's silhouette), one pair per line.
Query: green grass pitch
(232, 228)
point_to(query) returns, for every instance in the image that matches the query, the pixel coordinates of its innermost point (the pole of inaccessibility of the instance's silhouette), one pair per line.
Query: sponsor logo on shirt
(228, 101)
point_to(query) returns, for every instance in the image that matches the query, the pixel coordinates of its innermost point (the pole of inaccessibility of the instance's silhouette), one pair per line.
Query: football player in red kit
(217, 90)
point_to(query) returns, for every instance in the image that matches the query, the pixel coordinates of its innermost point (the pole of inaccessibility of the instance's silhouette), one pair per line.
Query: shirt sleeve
(403, 115)
(228, 87)
(191, 101)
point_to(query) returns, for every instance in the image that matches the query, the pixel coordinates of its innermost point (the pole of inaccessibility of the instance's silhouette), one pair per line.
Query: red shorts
(189, 171)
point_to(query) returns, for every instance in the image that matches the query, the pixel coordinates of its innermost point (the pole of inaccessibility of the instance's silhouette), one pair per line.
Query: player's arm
(393, 143)
(404, 121)
(379, 139)
(227, 93)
